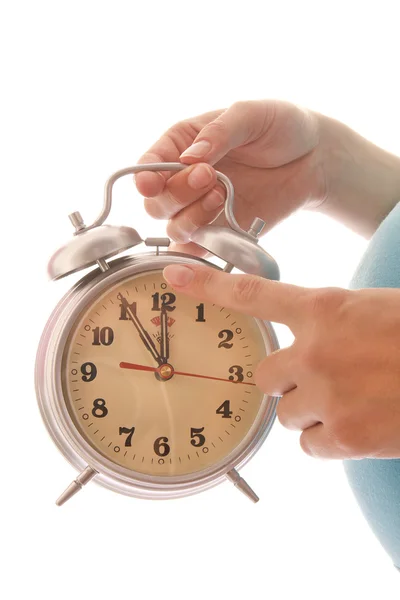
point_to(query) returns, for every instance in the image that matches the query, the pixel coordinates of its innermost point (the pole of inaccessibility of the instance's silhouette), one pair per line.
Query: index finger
(262, 298)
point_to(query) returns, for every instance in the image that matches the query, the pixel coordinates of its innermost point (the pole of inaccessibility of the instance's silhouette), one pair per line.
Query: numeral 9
(89, 371)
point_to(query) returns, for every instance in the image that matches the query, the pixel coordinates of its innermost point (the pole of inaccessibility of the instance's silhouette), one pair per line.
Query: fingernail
(179, 275)
(199, 177)
(213, 200)
(197, 150)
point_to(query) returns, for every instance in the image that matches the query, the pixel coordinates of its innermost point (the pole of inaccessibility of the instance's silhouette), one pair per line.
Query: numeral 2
(225, 335)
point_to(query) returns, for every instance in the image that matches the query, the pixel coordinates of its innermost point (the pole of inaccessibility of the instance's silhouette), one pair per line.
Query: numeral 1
(124, 312)
(200, 314)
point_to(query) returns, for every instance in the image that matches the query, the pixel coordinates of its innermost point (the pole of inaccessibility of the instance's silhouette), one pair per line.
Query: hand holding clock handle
(143, 334)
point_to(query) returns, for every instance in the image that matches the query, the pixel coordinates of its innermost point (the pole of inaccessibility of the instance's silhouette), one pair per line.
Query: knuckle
(207, 279)
(246, 289)
(172, 199)
(180, 228)
(242, 104)
(244, 107)
(217, 129)
(254, 114)
(324, 307)
(150, 157)
(326, 301)
(175, 131)
(154, 208)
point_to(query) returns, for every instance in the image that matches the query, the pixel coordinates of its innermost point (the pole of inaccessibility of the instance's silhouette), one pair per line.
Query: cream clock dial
(159, 383)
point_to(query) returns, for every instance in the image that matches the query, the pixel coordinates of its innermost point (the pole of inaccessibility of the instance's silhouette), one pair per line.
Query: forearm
(363, 180)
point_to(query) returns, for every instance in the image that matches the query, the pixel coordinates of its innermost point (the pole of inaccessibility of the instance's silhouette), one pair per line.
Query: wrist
(363, 180)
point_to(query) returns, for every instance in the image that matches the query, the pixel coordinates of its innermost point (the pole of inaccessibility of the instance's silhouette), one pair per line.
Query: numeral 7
(131, 431)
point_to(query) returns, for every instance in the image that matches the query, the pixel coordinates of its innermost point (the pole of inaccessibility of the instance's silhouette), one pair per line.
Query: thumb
(240, 124)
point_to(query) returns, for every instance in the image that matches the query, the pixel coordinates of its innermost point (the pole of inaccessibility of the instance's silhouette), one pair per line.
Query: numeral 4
(225, 410)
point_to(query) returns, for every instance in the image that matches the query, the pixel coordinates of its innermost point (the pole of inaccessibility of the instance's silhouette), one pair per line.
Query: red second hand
(126, 365)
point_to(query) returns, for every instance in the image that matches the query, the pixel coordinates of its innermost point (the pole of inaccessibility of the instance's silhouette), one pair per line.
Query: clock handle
(252, 233)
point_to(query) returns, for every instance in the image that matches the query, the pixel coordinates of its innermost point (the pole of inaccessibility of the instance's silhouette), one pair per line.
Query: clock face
(160, 383)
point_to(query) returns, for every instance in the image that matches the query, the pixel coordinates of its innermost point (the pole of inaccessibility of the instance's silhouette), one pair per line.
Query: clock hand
(171, 371)
(143, 334)
(164, 343)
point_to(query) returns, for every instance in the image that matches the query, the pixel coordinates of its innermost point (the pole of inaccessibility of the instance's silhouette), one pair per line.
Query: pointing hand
(339, 382)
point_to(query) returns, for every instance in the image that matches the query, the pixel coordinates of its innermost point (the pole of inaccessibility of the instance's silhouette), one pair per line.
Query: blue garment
(376, 483)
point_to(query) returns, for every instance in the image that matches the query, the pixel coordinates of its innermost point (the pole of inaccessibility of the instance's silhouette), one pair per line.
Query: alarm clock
(144, 390)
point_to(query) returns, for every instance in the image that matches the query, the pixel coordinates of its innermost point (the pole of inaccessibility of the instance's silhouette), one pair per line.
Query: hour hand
(164, 342)
(143, 334)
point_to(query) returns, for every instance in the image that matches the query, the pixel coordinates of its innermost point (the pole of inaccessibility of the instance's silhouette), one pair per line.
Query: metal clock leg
(76, 485)
(242, 485)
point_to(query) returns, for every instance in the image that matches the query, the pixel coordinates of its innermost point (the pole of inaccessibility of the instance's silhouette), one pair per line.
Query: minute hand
(144, 336)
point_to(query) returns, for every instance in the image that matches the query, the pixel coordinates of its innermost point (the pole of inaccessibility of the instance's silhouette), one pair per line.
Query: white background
(86, 87)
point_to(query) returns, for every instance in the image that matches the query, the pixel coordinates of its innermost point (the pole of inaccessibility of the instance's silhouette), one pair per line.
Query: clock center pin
(166, 371)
